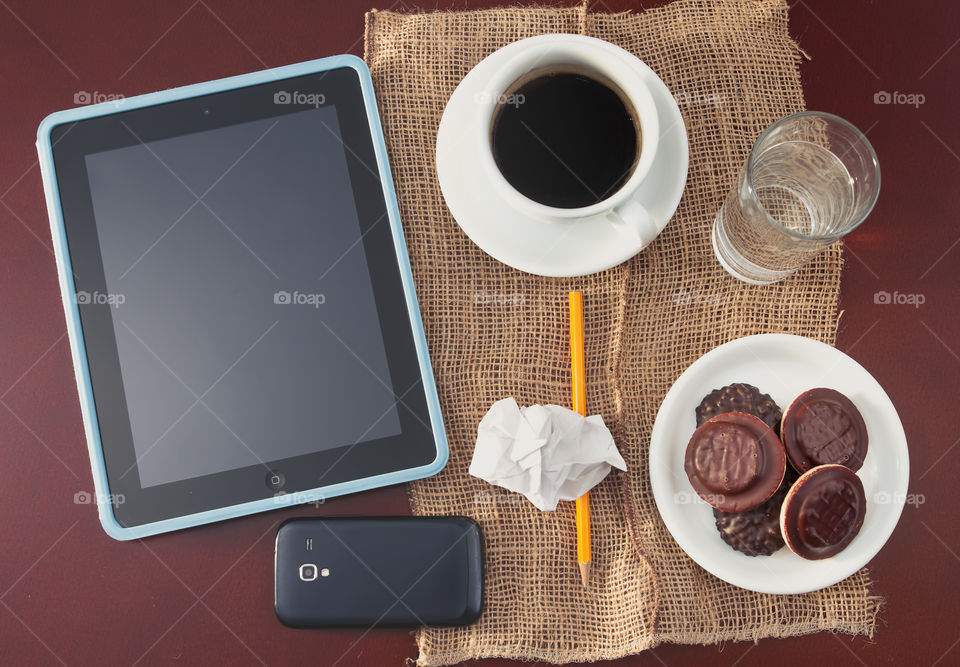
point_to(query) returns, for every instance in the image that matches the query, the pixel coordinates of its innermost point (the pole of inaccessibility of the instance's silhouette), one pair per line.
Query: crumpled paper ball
(546, 452)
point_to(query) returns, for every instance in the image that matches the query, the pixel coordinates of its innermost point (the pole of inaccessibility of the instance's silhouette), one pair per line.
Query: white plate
(783, 366)
(544, 247)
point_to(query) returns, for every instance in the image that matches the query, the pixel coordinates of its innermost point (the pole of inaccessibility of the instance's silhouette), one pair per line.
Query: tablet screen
(243, 309)
(246, 328)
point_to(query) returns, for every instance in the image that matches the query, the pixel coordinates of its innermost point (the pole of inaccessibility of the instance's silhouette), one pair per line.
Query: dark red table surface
(69, 594)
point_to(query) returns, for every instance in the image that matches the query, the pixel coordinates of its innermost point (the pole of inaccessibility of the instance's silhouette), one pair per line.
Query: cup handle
(633, 219)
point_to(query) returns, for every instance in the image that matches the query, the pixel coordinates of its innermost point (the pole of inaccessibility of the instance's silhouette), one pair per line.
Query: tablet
(241, 311)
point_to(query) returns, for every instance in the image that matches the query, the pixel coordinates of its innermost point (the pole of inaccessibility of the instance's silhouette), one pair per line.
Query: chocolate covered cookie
(756, 532)
(823, 512)
(739, 397)
(735, 462)
(823, 426)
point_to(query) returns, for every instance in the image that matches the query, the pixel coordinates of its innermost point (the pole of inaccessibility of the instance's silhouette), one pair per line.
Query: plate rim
(658, 456)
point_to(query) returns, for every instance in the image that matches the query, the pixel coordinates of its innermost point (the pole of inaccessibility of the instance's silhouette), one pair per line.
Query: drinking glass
(811, 178)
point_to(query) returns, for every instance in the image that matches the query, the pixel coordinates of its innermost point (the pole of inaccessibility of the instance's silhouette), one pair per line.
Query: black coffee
(564, 139)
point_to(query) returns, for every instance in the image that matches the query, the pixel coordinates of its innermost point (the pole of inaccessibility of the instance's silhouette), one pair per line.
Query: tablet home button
(275, 480)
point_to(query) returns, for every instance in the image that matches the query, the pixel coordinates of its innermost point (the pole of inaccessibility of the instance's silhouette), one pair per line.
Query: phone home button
(275, 480)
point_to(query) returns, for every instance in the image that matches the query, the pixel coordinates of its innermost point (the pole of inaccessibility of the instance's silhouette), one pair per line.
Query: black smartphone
(378, 571)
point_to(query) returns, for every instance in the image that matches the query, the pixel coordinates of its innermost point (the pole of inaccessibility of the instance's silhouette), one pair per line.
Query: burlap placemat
(495, 332)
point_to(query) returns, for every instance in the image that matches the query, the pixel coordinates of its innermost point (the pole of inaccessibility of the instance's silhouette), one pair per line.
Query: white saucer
(544, 247)
(783, 366)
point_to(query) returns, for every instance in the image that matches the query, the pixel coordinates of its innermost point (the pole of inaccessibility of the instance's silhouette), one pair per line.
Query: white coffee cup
(622, 208)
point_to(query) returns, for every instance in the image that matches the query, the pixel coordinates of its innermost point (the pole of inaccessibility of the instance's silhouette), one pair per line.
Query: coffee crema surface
(565, 138)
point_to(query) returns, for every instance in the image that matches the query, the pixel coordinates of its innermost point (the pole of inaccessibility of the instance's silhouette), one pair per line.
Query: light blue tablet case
(91, 427)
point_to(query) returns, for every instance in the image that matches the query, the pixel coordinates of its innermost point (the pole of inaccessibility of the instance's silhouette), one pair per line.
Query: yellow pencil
(580, 405)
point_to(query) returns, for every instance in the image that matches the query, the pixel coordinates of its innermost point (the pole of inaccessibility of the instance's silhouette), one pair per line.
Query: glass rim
(860, 136)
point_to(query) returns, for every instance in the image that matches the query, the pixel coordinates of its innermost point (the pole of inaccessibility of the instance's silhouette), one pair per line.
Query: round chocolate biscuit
(823, 512)
(739, 397)
(823, 426)
(756, 532)
(734, 461)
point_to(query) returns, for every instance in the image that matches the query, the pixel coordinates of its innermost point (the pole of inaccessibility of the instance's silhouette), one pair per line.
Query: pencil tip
(585, 573)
